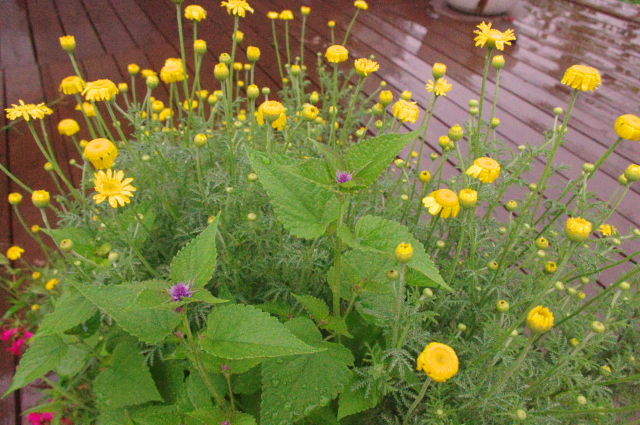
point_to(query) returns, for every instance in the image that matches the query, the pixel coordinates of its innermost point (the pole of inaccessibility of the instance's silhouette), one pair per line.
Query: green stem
(417, 401)
(485, 74)
(353, 21)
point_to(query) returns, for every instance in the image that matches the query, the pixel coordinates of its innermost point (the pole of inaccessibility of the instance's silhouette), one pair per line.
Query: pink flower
(27, 335)
(7, 334)
(16, 346)
(41, 418)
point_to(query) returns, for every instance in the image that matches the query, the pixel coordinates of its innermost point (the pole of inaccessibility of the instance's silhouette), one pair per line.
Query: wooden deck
(406, 36)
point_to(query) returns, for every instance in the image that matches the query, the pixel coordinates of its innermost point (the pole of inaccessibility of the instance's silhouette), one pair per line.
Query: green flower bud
(502, 306)
(66, 245)
(502, 230)
(252, 217)
(252, 177)
(493, 265)
(598, 327)
(521, 414)
(581, 400)
(114, 257)
(522, 148)
(379, 124)
(558, 110)
(427, 292)
(393, 274)
(456, 133)
(440, 244)
(625, 286)
(462, 327)
(473, 103)
(473, 111)
(588, 167)
(434, 156)
(559, 286)
(48, 166)
(572, 291)
(512, 206)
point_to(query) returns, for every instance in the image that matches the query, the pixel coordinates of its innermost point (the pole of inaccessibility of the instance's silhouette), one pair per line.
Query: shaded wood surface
(406, 36)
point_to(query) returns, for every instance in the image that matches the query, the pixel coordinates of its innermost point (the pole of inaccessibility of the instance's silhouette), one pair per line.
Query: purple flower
(343, 176)
(180, 291)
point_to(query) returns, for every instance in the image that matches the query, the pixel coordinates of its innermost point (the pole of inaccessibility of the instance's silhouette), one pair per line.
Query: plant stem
(417, 401)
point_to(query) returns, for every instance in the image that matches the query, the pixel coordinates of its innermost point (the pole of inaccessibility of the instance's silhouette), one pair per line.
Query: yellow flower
(100, 90)
(195, 13)
(200, 47)
(608, 229)
(14, 253)
(493, 37)
(331, 24)
(468, 198)
(133, 69)
(28, 111)
(113, 186)
(68, 127)
(540, 320)
(365, 67)
(68, 43)
(35, 228)
(309, 112)
(286, 15)
(439, 362)
(628, 127)
(439, 69)
(305, 10)
(443, 201)
(441, 87)
(361, 4)
(165, 114)
(385, 97)
(273, 15)
(101, 152)
(237, 7)
(404, 252)
(72, 85)
(253, 54)
(51, 284)
(578, 229)
(172, 71)
(40, 198)
(87, 108)
(337, 54)
(486, 169)
(189, 105)
(274, 112)
(406, 111)
(632, 173)
(15, 198)
(550, 267)
(424, 176)
(146, 73)
(582, 77)
(35, 307)
(36, 275)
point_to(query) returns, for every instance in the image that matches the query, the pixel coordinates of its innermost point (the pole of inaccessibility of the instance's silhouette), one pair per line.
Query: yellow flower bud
(68, 43)
(540, 320)
(578, 229)
(404, 253)
(41, 198)
(15, 198)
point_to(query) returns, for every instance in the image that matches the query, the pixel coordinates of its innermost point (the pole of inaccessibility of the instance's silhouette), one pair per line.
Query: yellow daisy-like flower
(68, 127)
(361, 4)
(72, 85)
(113, 186)
(404, 252)
(28, 111)
(441, 87)
(237, 7)
(14, 253)
(15, 198)
(493, 37)
(608, 229)
(406, 111)
(51, 284)
(172, 71)
(309, 112)
(540, 319)
(468, 198)
(365, 67)
(274, 112)
(253, 54)
(486, 169)
(87, 108)
(273, 15)
(146, 73)
(101, 152)
(337, 54)
(100, 90)
(439, 361)
(444, 202)
(195, 13)
(286, 15)
(578, 229)
(628, 127)
(41, 198)
(582, 77)
(68, 43)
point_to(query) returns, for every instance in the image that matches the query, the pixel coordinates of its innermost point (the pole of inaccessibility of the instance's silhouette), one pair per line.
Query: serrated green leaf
(149, 324)
(337, 325)
(301, 201)
(197, 261)
(384, 236)
(371, 157)
(363, 271)
(244, 332)
(295, 386)
(216, 416)
(42, 356)
(155, 296)
(71, 309)
(347, 237)
(156, 415)
(247, 383)
(73, 361)
(317, 308)
(168, 376)
(357, 400)
(128, 381)
(215, 364)
(194, 394)
(332, 157)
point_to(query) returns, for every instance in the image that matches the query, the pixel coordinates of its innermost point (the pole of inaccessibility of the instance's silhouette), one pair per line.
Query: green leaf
(168, 376)
(128, 381)
(71, 309)
(156, 415)
(216, 416)
(357, 400)
(74, 360)
(42, 356)
(83, 241)
(244, 332)
(319, 312)
(295, 386)
(155, 296)
(364, 271)
(371, 157)
(141, 319)
(347, 237)
(214, 364)
(197, 261)
(384, 236)
(300, 193)
(332, 157)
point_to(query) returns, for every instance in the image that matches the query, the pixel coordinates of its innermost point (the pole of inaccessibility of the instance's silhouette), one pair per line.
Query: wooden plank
(15, 40)
(75, 21)
(46, 30)
(110, 31)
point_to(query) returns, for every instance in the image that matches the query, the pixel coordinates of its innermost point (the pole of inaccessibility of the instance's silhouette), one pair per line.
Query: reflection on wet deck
(406, 36)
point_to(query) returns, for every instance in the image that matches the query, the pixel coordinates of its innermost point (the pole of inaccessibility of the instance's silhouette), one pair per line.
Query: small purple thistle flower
(225, 423)
(180, 291)
(343, 177)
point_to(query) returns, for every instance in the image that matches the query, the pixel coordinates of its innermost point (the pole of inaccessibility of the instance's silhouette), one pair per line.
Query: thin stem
(417, 401)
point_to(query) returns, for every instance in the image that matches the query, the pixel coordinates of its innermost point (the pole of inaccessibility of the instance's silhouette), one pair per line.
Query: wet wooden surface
(406, 36)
